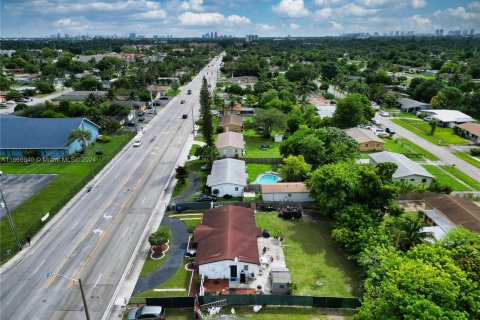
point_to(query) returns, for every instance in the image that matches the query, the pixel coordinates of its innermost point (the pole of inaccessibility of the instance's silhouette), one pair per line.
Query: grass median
(445, 178)
(462, 176)
(441, 137)
(72, 177)
(465, 157)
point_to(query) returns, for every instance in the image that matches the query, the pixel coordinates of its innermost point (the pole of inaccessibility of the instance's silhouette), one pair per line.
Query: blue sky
(185, 18)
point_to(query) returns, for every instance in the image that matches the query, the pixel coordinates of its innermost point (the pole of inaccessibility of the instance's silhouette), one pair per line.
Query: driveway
(443, 153)
(191, 189)
(174, 260)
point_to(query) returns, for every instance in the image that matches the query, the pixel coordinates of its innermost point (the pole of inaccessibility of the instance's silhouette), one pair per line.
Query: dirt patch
(410, 206)
(317, 98)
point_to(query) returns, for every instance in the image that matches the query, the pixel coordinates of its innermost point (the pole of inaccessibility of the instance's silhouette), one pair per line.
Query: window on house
(281, 286)
(413, 179)
(236, 188)
(245, 267)
(424, 180)
(289, 194)
(366, 145)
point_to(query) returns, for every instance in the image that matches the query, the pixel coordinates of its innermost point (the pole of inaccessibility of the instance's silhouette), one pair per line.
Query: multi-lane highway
(94, 237)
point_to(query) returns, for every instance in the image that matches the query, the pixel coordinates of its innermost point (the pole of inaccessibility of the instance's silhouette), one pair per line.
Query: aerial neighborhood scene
(268, 160)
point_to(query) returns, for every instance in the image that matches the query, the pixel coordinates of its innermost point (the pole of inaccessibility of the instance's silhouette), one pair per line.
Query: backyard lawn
(72, 177)
(319, 267)
(467, 158)
(445, 178)
(254, 169)
(253, 146)
(442, 136)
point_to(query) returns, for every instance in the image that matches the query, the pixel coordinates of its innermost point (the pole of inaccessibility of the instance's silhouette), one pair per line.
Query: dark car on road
(185, 116)
(205, 198)
(290, 213)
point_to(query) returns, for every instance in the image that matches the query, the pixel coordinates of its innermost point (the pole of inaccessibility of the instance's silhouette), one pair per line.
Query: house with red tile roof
(286, 191)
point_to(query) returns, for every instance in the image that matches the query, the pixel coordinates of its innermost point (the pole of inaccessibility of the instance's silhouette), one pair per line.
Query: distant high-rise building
(155, 36)
(66, 36)
(472, 31)
(396, 33)
(132, 35)
(215, 35)
(251, 37)
(211, 35)
(59, 35)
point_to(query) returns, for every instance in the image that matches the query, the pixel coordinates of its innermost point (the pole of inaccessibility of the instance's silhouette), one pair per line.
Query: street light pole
(87, 315)
(9, 216)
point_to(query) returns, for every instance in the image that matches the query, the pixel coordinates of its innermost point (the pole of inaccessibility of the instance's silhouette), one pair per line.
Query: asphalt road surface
(97, 233)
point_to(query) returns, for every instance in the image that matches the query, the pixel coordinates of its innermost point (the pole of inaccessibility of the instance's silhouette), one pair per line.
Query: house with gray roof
(412, 106)
(45, 137)
(407, 170)
(228, 176)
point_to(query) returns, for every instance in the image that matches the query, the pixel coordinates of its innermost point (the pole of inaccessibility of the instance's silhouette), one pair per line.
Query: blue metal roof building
(47, 136)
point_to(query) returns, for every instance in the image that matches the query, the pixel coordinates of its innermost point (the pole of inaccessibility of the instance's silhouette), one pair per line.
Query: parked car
(189, 91)
(141, 118)
(147, 312)
(191, 253)
(428, 119)
(384, 114)
(290, 213)
(182, 102)
(140, 113)
(375, 121)
(184, 116)
(377, 131)
(163, 98)
(389, 130)
(130, 124)
(205, 198)
(151, 111)
(137, 143)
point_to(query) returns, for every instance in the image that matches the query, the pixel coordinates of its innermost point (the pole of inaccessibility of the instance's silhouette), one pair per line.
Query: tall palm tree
(303, 90)
(408, 232)
(82, 135)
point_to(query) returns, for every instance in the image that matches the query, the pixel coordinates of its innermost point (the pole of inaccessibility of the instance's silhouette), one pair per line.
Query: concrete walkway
(174, 260)
(443, 153)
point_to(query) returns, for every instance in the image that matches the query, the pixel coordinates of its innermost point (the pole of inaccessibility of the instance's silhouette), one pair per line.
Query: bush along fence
(273, 300)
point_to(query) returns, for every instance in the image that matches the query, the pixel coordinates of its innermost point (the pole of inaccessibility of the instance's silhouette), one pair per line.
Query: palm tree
(82, 135)
(408, 232)
(91, 100)
(111, 95)
(303, 90)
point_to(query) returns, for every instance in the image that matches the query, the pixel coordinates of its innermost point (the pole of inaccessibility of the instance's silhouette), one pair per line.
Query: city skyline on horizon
(267, 18)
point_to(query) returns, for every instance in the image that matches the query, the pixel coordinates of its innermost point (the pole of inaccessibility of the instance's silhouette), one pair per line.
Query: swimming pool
(267, 178)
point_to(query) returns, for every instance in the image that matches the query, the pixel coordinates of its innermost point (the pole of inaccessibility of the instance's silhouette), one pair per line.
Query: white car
(428, 119)
(384, 114)
(137, 142)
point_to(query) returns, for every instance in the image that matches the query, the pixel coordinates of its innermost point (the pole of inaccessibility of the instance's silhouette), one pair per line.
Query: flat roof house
(471, 130)
(286, 191)
(228, 176)
(449, 118)
(226, 243)
(78, 95)
(366, 139)
(230, 144)
(412, 106)
(231, 122)
(407, 170)
(48, 137)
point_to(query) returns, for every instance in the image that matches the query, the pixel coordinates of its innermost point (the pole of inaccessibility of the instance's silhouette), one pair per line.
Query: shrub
(104, 138)
(158, 238)
(475, 152)
(227, 196)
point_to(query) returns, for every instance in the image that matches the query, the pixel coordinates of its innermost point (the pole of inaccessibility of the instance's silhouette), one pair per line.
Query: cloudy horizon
(267, 18)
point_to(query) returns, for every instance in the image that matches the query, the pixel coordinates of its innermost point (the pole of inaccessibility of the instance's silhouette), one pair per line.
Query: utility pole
(9, 217)
(85, 307)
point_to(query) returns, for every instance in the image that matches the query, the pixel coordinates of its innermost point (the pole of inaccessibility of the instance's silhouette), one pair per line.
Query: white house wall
(230, 152)
(221, 269)
(416, 179)
(227, 188)
(284, 196)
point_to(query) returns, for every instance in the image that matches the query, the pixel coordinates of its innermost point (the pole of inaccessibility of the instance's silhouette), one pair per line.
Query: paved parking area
(19, 187)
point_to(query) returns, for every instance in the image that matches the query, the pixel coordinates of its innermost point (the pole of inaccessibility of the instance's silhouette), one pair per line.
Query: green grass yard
(467, 158)
(180, 188)
(254, 169)
(319, 267)
(72, 177)
(172, 93)
(442, 136)
(394, 145)
(445, 178)
(417, 149)
(462, 176)
(253, 146)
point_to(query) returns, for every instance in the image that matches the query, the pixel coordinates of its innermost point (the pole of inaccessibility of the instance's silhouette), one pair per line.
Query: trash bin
(179, 209)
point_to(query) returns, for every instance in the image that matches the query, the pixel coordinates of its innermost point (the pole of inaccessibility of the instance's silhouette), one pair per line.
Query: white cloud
(193, 5)
(335, 25)
(475, 5)
(293, 26)
(422, 22)
(418, 3)
(291, 8)
(265, 27)
(324, 13)
(66, 23)
(328, 2)
(210, 18)
(153, 14)
(458, 13)
(352, 9)
(375, 4)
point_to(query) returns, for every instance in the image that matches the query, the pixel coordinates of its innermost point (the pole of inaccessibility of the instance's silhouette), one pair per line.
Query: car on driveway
(147, 312)
(384, 114)
(390, 130)
(205, 198)
(290, 213)
(137, 143)
(428, 119)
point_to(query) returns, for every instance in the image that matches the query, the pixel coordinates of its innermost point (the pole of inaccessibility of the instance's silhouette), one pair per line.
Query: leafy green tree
(427, 89)
(407, 232)
(353, 110)
(294, 169)
(89, 84)
(81, 135)
(205, 106)
(5, 83)
(433, 125)
(448, 98)
(14, 95)
(207, 153)
(44, 87)
(300, 72)
(181, 173)
(267, 120)
(329, 70)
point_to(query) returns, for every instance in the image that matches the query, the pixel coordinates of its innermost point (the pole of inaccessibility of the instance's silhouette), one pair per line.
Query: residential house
(450, 211)
(226, 243)
(228, 176)
(366, 139)
(407, 170)
(448, 118)
(280, 279)
(471, 131)
(286, 191)
(3, 96)
(412, 106)
(230, 144)
(231, 122)
(78, 95)
(243, 80)
(138, 105)
(235, 109)
(325, 110)
(47, 137)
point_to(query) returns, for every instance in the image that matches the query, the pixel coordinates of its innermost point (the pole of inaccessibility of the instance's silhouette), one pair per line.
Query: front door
(233, 273)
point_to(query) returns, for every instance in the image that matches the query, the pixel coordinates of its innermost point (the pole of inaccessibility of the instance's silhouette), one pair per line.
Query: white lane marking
(144, 200)
(156, 178)
(41, 264)
(74, 225)
(98, 231)
(99, 196)
(125, 232)
(96, 282)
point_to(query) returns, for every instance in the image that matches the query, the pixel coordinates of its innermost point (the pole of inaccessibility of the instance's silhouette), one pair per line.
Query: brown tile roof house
(460, 211)
(366, 139)
(472, 130)
(230, 139)
(292, 187)
(227, 233)
(285, 191)
(231, 120)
